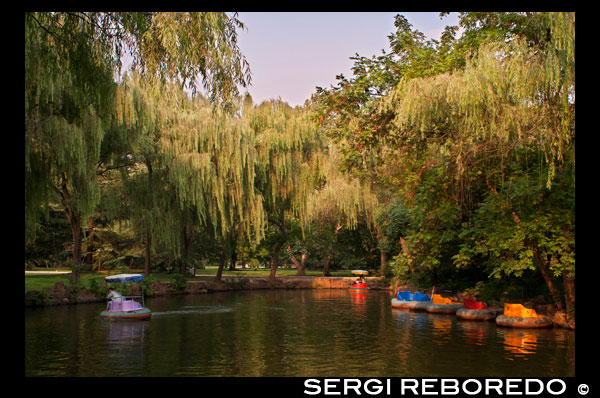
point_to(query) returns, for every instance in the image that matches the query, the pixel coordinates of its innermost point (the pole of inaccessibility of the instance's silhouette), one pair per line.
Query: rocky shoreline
(62, 294)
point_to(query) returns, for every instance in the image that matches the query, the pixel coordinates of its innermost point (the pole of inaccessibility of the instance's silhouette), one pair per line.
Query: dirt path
(56, 272)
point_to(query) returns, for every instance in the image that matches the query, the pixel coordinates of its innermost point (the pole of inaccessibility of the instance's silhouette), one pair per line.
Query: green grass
(38, 282)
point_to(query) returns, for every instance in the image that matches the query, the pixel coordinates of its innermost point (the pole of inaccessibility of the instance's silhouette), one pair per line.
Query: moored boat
(517, 316)
(444, 308)
(478, 311)
(419, 305)
(404, 299)
(488, 314)
(400, 303)
(443, 305)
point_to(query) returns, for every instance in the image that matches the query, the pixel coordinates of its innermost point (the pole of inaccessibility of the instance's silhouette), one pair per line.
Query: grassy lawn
(38, 282)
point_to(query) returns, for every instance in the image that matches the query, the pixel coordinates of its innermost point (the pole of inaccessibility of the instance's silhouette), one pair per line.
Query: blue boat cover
(403, 296)
(408, 296)
(419, 297)
(124, 278)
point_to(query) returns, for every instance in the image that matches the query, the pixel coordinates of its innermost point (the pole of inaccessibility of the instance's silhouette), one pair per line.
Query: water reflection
(329, 294)
(442, 325)
(359, 298)
(125, 332)
(519, 343)
(359, 301)
(124, 348)
(328, 332)
(474, 333)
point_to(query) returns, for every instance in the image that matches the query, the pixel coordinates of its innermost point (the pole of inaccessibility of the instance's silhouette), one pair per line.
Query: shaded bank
(65, 294)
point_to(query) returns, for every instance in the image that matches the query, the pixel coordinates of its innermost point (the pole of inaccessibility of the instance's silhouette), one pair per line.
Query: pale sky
(290, 53)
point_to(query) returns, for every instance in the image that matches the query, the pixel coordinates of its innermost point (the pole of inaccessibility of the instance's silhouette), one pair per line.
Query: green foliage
(471, 142)
(98, 289)
(177, 282)
(454, 158)
(72, 100)
(146, 285)
(41, 298)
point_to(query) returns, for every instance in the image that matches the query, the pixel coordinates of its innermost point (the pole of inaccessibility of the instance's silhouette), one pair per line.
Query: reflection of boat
(359, 285)
(442, 325)
(475, 333)
(519, 342)
(126, 307)
(359, 298)
(126, 332)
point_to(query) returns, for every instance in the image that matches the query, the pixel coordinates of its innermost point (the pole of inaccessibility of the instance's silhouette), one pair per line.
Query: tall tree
(286, 141)
(210, 161)
(338, 200)
(71, 62)
(504, 123)
(68, 91)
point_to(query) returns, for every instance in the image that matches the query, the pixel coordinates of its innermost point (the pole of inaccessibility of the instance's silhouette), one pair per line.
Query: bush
(98, 289)
(177, 282)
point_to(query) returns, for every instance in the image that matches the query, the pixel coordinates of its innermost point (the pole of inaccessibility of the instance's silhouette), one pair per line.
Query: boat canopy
(360, 272)
(124, 278)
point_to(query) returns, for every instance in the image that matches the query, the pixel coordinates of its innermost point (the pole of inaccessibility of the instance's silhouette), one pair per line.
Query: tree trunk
(331, 254)
(233, 258)
(569, 284)
(186, 249)
(300, 267)
(148, 233)
(275, 261)
(326, 266)
(548, 278)
(383, 259)
(382, 253)
(75, 223)
(76, 232)
(147, 256)
(279, 245)
(89, 256)
(221, 265)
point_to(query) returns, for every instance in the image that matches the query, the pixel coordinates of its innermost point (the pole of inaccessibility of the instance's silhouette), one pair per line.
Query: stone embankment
(63, 294)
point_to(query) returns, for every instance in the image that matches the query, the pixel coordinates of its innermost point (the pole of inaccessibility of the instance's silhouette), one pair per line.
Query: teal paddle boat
(125, 307)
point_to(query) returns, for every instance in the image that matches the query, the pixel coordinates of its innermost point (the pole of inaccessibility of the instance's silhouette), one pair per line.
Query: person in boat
(360, 279)
(113, 295)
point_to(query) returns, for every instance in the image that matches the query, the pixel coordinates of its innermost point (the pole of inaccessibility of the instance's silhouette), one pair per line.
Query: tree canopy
(453, 160)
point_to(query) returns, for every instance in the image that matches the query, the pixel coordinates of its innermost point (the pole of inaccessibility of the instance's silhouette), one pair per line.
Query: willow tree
(71, 62)
(286, 143)
(503, 126)
(68, 91)
(210, 161)
(137, 124)
(339, 200)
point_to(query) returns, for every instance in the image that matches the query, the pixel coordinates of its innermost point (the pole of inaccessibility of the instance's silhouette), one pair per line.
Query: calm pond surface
(286, 333)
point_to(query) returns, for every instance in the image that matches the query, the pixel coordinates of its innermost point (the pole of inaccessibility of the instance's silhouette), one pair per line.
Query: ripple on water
(193, 310)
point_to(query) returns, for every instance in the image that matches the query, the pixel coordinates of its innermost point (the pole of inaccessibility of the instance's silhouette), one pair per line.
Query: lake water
(301, 333)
